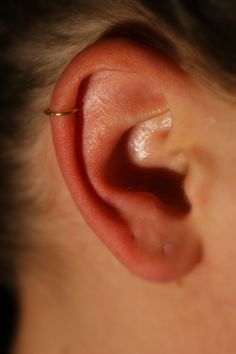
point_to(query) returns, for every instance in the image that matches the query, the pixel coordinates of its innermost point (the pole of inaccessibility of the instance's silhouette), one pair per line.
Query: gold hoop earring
(50, 113)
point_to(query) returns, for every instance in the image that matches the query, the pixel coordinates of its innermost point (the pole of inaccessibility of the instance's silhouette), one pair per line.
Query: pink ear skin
(136, 206)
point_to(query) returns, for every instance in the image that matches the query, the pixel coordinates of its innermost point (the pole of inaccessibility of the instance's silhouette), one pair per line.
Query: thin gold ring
(50, 113)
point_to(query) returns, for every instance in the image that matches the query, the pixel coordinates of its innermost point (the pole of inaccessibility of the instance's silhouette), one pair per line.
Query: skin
(77, 297)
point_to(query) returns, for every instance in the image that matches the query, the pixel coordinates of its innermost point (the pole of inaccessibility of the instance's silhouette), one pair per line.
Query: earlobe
(113, 156)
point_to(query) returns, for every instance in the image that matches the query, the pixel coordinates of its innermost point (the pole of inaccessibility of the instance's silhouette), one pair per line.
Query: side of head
(146, 164)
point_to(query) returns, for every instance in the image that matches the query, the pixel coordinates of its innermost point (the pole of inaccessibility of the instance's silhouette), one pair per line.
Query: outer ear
(114, 157)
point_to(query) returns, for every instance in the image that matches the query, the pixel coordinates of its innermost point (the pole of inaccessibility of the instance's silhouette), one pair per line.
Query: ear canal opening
(162, 183)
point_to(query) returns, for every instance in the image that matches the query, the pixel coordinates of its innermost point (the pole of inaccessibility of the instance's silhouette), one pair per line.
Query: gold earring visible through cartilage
(50, 113)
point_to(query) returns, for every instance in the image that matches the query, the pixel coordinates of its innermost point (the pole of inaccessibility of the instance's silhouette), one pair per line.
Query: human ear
(119, 157)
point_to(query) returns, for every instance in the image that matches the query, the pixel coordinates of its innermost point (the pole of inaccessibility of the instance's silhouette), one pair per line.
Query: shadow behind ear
(9, 309)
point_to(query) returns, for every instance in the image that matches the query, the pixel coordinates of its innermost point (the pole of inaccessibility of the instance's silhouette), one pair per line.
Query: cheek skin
(221, 218)
(207, 131)
(213, 153)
